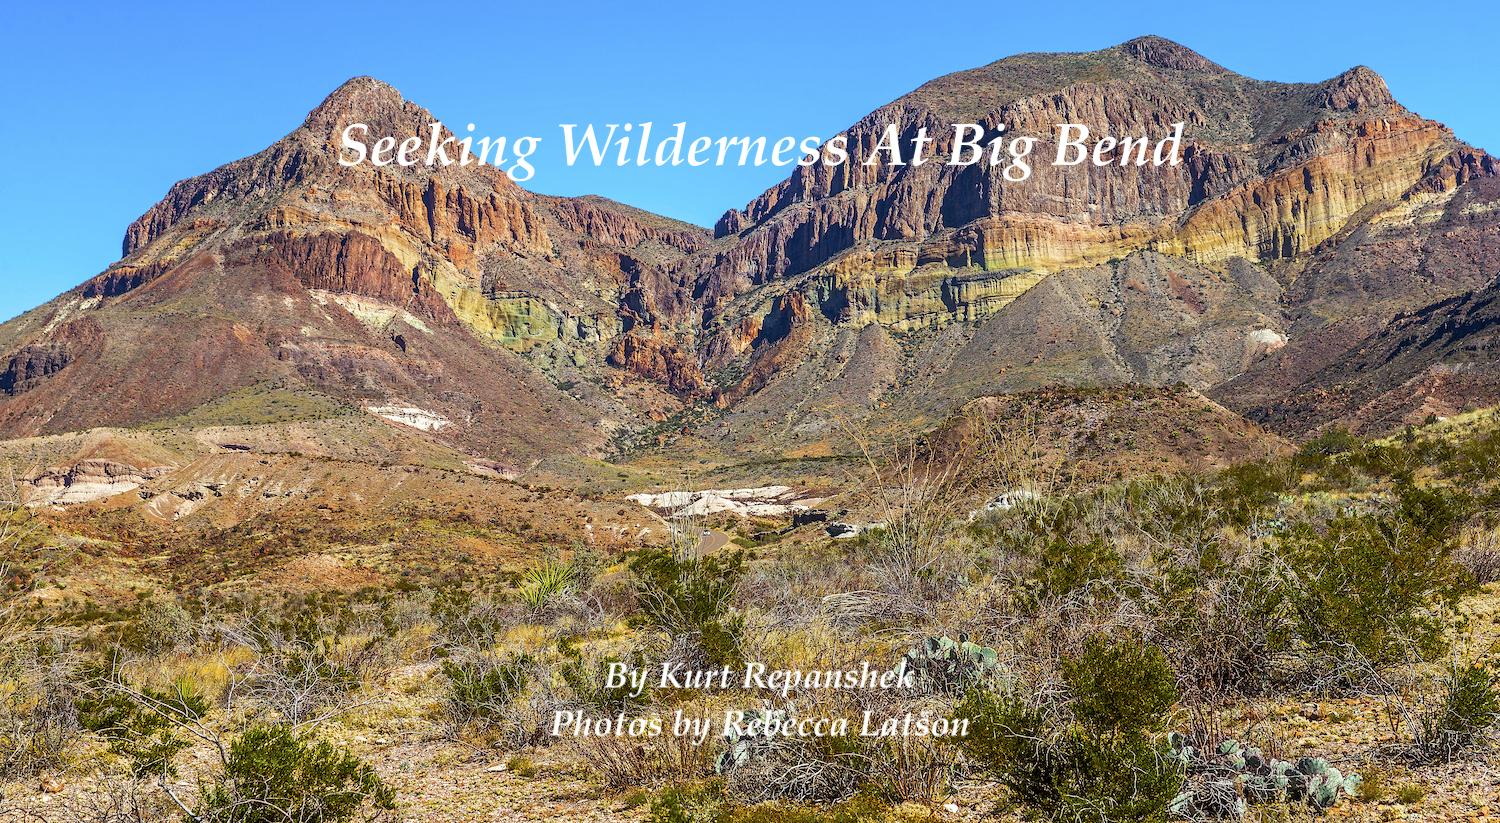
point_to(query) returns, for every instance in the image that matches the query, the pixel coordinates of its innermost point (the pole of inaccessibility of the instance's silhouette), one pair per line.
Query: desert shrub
(627, 763)
(273, 774)
(1468, 708)
(1177, 518)
(1067, 772)
(1123, 688)
(299, 672)
(1374, 589)
(1064, 567)
(773, 767)
(1399, 460)
(700, 802)
(913, 565)
(109, 799)
(43, 676)
(689, 599)
(141, 724)
(466, 620)
(1227, 632)
(1212, 597)
(917, 552)
(1104, 763)
(1248, 491)
(481, 689)
(161, 626)
(1331, 443)
(1479, 556)
(1062, 548)
(1474, 459)
(910, 769)
(586, 677)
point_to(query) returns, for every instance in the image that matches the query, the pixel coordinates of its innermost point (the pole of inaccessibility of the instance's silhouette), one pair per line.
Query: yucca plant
(545, 581)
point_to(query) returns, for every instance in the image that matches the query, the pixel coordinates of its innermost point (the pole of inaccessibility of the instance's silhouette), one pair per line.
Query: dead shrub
(644, 762)
(38, 715)
(297, 671)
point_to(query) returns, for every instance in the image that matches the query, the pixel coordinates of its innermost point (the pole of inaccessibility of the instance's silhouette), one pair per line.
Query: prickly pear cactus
(947, 666)
(740, 748)
(1222, 783)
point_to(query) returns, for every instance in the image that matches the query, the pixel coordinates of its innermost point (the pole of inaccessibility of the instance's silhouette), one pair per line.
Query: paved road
(712, 540)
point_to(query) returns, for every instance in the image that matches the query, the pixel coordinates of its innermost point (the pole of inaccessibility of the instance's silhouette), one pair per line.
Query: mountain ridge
(534, 325)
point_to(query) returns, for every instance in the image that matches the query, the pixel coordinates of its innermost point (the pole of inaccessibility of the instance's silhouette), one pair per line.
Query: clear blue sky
(105, 105)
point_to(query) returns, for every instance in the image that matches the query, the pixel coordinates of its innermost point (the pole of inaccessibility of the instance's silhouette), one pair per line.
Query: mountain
(449, 291)
(1302, 217)
(1306, 226)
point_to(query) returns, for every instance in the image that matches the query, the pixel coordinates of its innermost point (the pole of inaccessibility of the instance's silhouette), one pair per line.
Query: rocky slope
(447, 290)
(1356, 294)
(1438, 360)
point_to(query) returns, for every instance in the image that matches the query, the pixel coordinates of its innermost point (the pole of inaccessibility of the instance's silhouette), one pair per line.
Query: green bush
(481, 690)
(588, 678)
(141, 725)
(159, 627)
(1065, 548)
(1474, 459)
(701, 802)
(1331, 443)
(1068, 772)
(1123, 689)
(684, 596)
(462, 620)
(1247, 492)
(1378, 585)
(273, 774)
(1470, 706)
(1106, 763)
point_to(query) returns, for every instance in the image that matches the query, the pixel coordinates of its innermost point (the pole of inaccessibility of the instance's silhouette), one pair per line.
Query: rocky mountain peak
(365, 100)
(361, 93)
(1358, 88)
(1166, 54)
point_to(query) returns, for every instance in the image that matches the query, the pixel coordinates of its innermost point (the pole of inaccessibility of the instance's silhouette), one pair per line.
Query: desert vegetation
(1155, 648)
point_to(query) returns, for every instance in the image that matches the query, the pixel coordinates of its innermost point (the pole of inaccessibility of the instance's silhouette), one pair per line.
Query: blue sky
(107, 104)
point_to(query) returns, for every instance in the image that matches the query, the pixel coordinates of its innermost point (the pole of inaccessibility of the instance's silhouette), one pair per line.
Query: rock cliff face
(39, 361)
(87, 480)
(352, 263)
(1300, 221)
(1268, 172)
